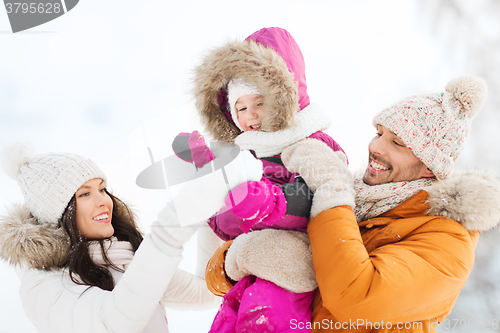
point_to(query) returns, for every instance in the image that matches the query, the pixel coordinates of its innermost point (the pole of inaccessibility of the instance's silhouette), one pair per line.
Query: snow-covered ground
(110, 78)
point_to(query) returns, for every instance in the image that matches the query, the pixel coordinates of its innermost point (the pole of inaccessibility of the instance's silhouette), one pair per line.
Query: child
(83, 263)
(244, 89)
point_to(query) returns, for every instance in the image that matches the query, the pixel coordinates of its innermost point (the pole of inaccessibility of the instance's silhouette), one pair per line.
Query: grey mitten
(325, 172)
(280, 256)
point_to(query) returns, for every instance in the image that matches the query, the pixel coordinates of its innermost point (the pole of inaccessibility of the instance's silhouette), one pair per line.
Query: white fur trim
(469, 197)
(265, 144)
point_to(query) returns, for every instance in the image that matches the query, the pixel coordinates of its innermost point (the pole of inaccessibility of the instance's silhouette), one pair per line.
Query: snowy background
(110, 78)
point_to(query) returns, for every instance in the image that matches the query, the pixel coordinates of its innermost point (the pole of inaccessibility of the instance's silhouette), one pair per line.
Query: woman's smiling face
(94, 209)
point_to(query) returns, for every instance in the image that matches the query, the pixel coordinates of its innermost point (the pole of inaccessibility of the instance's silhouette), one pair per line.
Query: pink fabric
(228, 225)
(200, 152)
(256, 305)
(277, 173)
(222, 100)
(176, 154)
(322, 136)
(256, 202)
(283, 43)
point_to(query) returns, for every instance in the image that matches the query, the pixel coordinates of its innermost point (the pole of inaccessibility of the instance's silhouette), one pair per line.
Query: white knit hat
(48, 181)
(235, 89)
(434, 126)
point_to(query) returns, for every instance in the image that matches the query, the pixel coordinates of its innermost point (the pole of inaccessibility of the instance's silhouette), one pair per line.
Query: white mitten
(200, 198)
(324, 171)
(280, 256)
(167, 233)
(244, 168)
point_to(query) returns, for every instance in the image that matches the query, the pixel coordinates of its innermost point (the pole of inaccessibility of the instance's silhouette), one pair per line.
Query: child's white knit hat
(235, 89)
(48, 181)
(434, 126)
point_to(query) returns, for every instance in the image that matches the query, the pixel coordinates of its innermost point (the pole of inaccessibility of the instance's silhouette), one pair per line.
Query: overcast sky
(110, 78)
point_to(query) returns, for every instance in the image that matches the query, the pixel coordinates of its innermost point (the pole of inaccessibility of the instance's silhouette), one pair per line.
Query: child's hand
(191, 147)
(256, 202)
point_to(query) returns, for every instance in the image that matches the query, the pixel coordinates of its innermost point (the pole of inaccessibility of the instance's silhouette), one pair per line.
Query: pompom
(14, 157)
(471, 91)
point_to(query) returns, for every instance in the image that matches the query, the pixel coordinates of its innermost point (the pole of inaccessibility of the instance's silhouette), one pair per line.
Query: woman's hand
(167, 233)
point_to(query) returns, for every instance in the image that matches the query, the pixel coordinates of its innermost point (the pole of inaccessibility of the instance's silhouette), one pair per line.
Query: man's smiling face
(390, 161)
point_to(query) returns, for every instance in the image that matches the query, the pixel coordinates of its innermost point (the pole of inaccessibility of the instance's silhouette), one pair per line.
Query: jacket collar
(265, 144)
(471, 198)
(413, 207)
(25, 242)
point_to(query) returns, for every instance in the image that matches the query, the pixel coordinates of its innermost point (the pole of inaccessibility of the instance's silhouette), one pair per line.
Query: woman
(83, 263)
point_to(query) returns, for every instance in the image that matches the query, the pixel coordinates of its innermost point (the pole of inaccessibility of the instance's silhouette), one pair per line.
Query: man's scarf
(373, 201)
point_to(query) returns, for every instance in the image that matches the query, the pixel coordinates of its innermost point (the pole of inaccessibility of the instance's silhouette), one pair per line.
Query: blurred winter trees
(469, 34)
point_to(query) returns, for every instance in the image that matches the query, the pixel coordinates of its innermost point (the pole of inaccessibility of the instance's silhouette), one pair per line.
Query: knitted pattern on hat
(48, 181)
(434, 126)
(373, 201)
(237, 88)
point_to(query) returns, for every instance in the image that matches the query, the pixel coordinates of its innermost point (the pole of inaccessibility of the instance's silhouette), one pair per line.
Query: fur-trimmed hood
(24, 241)
(469, 197)
(271, 60)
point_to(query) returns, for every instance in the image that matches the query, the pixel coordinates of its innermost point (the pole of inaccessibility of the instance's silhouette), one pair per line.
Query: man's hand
(324, 171)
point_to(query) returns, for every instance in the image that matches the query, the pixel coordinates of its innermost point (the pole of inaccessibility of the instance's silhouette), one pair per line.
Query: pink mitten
(191, 147)
(256, 202)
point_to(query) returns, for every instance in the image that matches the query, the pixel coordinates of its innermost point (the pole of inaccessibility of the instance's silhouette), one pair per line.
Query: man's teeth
(101, 217)
(378, 166)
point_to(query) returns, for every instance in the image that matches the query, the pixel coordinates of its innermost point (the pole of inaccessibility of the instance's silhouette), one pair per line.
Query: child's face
(250, 109)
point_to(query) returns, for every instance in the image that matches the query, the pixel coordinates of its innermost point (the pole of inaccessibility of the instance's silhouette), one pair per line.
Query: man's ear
(428, 173)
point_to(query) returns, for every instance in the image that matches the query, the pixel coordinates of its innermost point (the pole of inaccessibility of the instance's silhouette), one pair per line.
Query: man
(394, 258)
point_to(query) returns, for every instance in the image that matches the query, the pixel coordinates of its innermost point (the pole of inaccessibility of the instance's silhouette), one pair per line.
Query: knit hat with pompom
(48, 181)
(434, 126)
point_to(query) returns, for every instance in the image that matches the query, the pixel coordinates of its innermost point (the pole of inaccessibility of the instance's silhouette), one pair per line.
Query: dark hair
(81, 267)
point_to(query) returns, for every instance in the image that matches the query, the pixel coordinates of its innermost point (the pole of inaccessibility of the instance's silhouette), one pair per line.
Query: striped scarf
(373, 201)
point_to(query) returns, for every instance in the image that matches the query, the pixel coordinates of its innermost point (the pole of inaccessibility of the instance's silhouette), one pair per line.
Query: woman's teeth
(101, 217)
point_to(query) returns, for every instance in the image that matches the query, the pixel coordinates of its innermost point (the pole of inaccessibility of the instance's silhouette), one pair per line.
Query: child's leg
(227, 316)
(265, 307)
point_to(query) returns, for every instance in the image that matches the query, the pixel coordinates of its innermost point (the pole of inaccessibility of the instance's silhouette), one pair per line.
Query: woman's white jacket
(54, 303)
